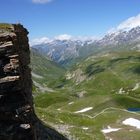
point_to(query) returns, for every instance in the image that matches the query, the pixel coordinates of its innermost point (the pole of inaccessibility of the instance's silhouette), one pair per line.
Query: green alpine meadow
(97, 93)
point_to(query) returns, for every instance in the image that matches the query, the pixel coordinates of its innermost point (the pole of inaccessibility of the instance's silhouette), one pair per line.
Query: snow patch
(109, 130)
(121, 91)
(136, 87)
(132, 122)
(36, 75)
(71, 103)
(85, 128)
(84, 110)
(43, 88)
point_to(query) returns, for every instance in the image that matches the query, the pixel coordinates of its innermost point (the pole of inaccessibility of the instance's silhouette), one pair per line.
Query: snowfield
(85, 128)
(109, 130)
(132, 122)
(70, 103)
(36, 75)
(84, 110)
(136, 87)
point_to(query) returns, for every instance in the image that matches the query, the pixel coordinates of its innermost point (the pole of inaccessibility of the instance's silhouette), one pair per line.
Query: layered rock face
(16, 107)
(17, 118)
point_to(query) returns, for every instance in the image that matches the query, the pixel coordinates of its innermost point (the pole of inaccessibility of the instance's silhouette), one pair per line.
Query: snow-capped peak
(130, 23)
(126, 25)
(62, 38)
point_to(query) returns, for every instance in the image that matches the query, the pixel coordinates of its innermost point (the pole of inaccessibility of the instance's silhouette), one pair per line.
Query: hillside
(99, 93)
(107, 72)
(45, 72)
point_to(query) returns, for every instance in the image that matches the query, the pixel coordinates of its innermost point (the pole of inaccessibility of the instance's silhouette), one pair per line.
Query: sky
(66, 18)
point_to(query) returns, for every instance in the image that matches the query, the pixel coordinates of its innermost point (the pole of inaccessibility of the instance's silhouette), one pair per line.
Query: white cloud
(69, 37)
(38, 41)
(112, 30)
(128, 24)
(63, 37)
(41, 1)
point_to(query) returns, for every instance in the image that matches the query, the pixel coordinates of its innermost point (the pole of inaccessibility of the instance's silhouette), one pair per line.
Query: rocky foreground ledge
(17, 118)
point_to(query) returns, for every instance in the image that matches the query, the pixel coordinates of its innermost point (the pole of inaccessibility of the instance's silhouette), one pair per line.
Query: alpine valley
(89, 89)
(68, 51)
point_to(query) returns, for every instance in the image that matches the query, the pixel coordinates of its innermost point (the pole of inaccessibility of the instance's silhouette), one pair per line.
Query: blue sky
(75, 17)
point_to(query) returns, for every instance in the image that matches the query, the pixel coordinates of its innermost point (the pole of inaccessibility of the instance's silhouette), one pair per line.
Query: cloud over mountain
(42, 40)
(63, 37)
(128, 24)
(41, 1)
(66, 37)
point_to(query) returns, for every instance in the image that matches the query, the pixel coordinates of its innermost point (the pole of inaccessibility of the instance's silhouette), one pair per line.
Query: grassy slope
(105, 77)
(109, 73)
(5, 27)
(46, 72)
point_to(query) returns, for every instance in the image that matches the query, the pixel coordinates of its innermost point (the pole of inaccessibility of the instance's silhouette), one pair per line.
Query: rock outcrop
(17, 118)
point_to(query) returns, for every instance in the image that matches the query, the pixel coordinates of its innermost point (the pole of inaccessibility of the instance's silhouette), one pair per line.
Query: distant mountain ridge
(61, 51)
(65, 52)
(121, 37)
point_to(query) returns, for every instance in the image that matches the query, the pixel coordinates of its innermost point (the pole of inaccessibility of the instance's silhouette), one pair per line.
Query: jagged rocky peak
(121, 37)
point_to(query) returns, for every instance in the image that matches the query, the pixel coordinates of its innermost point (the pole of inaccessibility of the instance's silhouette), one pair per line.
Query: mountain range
(68, 51)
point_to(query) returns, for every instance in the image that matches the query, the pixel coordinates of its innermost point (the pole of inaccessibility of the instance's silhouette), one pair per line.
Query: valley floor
(102, 120)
